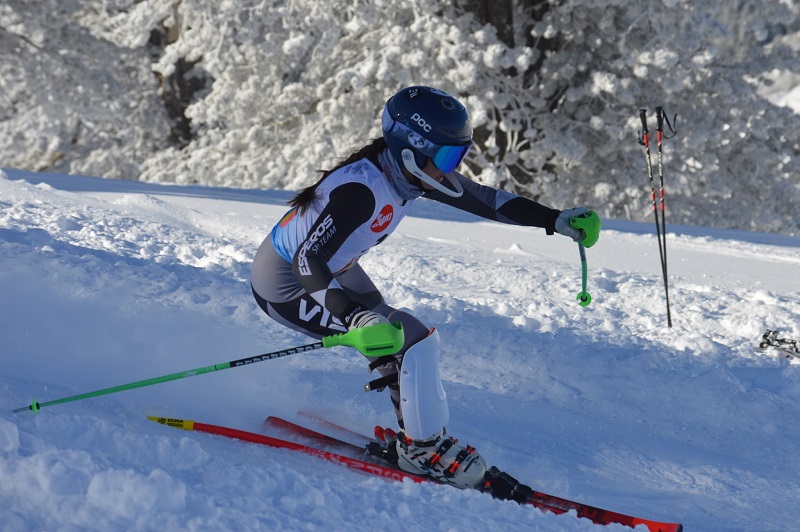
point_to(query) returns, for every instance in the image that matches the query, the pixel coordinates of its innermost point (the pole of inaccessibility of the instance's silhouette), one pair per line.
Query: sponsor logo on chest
(323, 232)
(383, 220)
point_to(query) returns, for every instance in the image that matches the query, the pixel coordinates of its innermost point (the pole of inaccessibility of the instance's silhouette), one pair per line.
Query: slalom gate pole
(645, 141)
(660, 119)
(374, 341)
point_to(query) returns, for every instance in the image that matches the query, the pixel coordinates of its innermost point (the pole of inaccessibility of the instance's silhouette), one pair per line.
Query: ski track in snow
(106, 282)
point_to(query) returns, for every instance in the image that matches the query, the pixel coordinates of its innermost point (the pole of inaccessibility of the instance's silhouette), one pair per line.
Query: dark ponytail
(304, 198)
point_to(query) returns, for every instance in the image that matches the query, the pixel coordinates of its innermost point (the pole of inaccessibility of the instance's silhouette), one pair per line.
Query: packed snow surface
(106, 282)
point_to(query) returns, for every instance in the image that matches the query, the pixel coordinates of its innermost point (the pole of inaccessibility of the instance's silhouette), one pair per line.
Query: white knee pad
(423, 402)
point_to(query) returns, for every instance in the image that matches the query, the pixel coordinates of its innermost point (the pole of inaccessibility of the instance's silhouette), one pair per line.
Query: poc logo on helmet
(421, 121)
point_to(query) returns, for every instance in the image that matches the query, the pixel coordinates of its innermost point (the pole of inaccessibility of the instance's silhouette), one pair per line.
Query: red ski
(352, 463)
(283, 426)
(543, 501)
(540, 500)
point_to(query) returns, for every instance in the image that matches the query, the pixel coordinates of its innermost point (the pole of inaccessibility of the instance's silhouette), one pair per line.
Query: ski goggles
(446, 158)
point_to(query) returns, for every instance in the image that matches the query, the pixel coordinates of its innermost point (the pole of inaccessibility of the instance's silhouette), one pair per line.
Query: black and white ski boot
(442, 459)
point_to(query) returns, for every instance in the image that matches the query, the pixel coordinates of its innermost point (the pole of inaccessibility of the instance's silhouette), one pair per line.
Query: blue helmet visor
(447, 158)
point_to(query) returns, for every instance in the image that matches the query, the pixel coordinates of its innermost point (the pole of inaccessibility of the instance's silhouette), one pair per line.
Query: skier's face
(432, 171)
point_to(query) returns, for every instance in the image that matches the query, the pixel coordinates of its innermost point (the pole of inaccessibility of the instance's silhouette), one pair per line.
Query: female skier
(306, 274)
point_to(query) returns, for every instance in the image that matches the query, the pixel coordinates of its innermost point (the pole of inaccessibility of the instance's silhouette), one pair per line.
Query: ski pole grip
(590, 224)
(373, 341)
(643, 117)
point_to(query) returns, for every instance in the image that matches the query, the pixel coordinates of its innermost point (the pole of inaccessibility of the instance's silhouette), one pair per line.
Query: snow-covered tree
(265, 93)
(75, 95)
(735, 154)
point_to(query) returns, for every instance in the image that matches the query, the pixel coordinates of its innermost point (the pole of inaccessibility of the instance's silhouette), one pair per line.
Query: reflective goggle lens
(447, 158)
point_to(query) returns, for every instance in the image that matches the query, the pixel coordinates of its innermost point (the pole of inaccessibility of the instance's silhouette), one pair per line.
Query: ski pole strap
(644, 140)
(661, 119)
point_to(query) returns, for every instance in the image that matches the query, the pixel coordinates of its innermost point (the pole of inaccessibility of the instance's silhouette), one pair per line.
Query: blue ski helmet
(426, 123)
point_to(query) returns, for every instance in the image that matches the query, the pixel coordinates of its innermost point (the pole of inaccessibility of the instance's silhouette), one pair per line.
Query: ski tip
(184, 424)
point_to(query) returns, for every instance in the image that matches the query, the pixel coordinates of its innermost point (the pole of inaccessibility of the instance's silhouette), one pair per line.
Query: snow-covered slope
(105, 282)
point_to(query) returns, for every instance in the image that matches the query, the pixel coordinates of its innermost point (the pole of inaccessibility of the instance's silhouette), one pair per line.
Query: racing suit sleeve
(350, 205)
(499, 205)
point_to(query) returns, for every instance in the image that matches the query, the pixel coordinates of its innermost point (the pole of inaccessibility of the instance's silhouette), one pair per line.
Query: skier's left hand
(564, 227)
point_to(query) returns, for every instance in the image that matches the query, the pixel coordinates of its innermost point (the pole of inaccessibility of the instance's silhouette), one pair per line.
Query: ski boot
(442, 459)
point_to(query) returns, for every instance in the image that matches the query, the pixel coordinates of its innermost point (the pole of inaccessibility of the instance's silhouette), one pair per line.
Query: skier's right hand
(366, 318)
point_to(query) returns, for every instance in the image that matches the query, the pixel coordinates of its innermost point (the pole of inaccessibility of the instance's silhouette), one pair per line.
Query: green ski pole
(590, 224)
(374, 341)
(584, 297)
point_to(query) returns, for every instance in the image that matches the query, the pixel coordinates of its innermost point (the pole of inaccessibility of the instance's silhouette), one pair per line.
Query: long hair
(303, 199)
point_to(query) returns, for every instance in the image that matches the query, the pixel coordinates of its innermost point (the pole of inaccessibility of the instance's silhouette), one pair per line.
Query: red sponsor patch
(382, 221)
